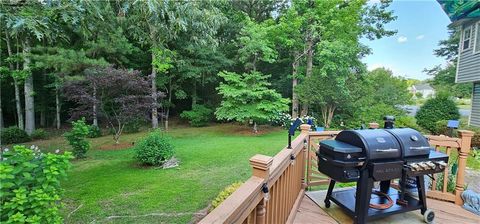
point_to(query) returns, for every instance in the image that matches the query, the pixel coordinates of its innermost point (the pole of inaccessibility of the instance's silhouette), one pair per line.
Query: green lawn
(111, 183)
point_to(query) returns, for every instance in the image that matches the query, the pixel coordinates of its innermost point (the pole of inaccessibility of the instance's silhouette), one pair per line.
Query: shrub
(441, 127)
(39, 134)
(154, 149)
(94, 131)
(76, 138)
(14, 135)
(225, 194)
(436, 109)
(199, 116)
(406, 121)
(30, 191)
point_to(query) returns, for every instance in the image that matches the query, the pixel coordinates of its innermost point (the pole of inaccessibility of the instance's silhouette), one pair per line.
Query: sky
(421, 24)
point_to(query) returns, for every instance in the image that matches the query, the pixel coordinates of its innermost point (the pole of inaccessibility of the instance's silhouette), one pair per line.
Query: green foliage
(30, 191)
(247, 96)
(224, 194)
(14, 135)
(199, 116)
(133, 126)
(255, 45)
(39, 134)
(407, 121)
(76, 138)
(94, 131)
(154, 149)
(436, 109)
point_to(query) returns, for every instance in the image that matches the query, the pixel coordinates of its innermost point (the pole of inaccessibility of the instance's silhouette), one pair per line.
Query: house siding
(475, 115)
(469, 63)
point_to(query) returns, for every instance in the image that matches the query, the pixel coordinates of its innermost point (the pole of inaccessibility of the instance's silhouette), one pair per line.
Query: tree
(444, 76)
(386, 88)
(33, 21)
(247, 97)
(155, 23)
(255, 45)
(122, 96)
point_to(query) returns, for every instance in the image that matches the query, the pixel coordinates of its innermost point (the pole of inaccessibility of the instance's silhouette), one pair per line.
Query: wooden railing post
(464, 150)
(305, 129)
(261, 165)
(261, 168)
(373, 125)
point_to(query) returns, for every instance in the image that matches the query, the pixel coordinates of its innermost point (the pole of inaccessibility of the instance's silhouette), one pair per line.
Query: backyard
(110, 186)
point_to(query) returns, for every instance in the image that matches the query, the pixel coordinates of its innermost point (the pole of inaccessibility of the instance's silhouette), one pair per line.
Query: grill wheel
(429, 216)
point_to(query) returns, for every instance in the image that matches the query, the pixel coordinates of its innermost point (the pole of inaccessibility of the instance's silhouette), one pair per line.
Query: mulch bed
(116, 146)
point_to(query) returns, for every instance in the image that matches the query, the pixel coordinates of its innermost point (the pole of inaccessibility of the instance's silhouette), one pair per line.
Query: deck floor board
(445, 213)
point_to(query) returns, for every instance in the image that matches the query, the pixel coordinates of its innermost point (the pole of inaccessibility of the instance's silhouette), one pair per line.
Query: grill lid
(376, 143)
(412, 142)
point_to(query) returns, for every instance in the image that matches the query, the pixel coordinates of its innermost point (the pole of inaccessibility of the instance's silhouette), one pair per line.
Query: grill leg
(385, 186)
(421, 193)
(329, 193)
(363, 195)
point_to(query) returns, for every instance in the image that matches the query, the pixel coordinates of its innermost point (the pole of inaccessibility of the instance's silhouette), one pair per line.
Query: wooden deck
(445, 212)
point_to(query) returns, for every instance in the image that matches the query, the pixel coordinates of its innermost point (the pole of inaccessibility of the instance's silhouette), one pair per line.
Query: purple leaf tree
(115, 95)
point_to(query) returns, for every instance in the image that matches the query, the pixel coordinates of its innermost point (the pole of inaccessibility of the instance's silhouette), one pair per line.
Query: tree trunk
(327, 114)
(194, 93)
(167, 113)
(1, 111)
(18, 104)
(57, 107)
(255, 128)
(154, 96)
(94, 107)
(28, 89)
(295, 103)
(43, 111)
(309, 69)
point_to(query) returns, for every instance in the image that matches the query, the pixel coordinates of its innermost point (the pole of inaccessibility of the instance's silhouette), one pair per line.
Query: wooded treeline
(207, 53)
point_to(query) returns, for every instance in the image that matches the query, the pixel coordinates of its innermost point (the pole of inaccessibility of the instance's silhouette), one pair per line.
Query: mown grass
(112, 183)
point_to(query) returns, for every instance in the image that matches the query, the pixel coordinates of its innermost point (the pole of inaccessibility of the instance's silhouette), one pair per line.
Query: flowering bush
(282, 120)
(30, 185)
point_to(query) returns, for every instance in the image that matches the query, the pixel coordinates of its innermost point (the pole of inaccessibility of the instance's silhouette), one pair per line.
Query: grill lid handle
(386, 150)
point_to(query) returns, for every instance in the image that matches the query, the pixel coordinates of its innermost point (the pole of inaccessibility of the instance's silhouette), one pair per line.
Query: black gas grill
(366, 156)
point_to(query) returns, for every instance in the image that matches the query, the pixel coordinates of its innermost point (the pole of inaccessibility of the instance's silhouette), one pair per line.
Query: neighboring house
(465, 15)
(425, 89)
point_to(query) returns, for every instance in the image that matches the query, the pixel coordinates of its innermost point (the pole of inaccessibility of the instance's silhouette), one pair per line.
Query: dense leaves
(77, 138)
(199, 116)
(30, 191)
(435, 110)
(247, 97)
(154, 149)
(13, 135)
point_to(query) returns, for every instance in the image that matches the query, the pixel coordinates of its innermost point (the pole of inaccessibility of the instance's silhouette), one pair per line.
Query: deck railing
(283, 175)
(462, 145)
(286, 176)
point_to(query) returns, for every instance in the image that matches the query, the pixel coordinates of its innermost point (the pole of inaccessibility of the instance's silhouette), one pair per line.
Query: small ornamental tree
(247, 97)
(435, 110)
(30, 189)
(121, 96)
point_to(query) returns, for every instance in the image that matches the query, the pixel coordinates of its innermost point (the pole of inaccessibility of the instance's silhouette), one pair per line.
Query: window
(476, 49)
(467, 34)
